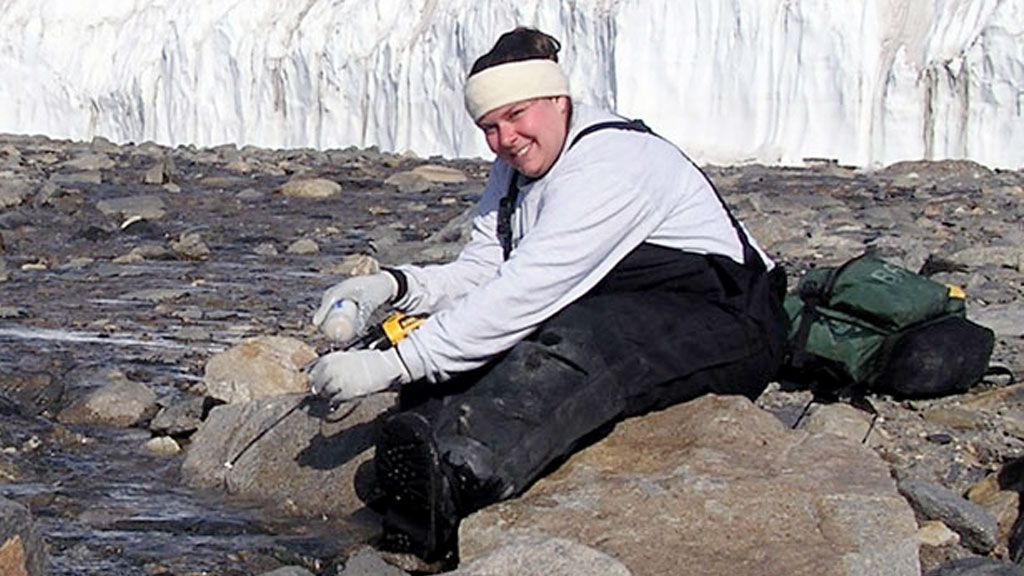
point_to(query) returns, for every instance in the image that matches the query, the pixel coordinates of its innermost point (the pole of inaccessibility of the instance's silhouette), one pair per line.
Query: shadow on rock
(288, 452)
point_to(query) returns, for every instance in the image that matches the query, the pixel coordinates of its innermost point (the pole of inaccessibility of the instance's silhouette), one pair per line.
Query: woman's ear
(563, 104)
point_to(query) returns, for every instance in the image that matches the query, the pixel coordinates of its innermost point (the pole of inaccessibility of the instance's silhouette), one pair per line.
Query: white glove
(347, 306)
(341, 376)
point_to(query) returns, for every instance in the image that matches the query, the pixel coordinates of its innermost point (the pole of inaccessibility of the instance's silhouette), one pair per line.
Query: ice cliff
(865, 82)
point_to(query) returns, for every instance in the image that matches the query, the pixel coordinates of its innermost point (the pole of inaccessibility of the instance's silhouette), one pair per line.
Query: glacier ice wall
(865, 82)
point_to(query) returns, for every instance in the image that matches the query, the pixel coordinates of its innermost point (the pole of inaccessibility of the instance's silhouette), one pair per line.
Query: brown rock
(716, 486)
(12, 558)
(999, 493)
(259, 367)
(22, 550)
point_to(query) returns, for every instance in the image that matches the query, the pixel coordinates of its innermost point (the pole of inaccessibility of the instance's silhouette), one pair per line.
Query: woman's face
(528, 135)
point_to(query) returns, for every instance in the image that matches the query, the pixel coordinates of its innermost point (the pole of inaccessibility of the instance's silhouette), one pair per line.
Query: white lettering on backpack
(889, 274)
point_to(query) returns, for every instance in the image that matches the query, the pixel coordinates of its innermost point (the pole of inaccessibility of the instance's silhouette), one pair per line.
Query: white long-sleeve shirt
(603, 197)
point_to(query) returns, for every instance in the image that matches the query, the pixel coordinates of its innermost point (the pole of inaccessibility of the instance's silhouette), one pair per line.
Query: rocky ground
(134, 265)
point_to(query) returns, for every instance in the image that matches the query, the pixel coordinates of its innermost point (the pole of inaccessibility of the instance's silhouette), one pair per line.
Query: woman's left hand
(341, 376)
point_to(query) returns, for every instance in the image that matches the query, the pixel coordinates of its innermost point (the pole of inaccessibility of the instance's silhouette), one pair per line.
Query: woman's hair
(519, 44)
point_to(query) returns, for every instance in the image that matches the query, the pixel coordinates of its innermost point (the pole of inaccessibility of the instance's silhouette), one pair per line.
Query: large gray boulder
(289, 453)
(22, 552)
(715, 486)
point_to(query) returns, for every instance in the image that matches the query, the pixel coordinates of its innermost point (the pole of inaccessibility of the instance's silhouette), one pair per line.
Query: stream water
(71, 314)
(105, 506)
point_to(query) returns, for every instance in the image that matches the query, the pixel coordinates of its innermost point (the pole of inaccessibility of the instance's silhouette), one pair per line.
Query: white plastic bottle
(340, 323)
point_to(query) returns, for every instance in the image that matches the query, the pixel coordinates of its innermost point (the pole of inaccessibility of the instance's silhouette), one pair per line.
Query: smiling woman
(605, 278)
(519, 96)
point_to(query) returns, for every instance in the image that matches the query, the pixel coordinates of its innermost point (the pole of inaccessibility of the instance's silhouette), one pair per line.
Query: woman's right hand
(347, 306)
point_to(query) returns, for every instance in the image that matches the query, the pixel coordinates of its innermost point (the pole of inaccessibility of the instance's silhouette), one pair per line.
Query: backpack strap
(1000, 370)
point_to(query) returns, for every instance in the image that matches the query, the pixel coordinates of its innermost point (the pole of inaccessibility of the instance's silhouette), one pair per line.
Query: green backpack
(870, 325)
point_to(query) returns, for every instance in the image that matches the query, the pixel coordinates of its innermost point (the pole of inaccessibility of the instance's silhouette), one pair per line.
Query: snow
(863, 82)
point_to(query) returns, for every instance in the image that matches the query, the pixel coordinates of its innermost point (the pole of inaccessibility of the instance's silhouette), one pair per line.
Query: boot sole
(420, 517)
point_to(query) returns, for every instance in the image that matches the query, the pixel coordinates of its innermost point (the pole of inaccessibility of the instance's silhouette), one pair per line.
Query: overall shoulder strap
(750, 256)
(634, 125)
(507, 205)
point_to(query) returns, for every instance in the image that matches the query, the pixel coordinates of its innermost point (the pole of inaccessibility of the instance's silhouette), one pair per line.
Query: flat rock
(715, 486)
(146, 206)
(94, 161)
(314, 188)
(440, 174)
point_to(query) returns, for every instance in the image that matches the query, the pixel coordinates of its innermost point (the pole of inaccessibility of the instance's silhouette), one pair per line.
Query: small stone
(440, 174)
(162, 446)
(353, 265)
(190, 246)
(940, 438)
(249, 194)
(155, 295)
(408, 182)
(239, 167)
(266, 249)
(121, 403)
(315, 188)
(194, 334)
(13, 192)
(303, 246)
(159, 173)
(977, 526)
(11, 312)
(935, 533)
(77, 263)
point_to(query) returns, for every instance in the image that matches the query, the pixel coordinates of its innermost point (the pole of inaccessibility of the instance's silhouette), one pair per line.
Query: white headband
(513, 82)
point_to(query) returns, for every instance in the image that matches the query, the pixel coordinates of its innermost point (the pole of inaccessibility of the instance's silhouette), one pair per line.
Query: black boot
(421, 517)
